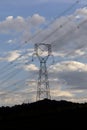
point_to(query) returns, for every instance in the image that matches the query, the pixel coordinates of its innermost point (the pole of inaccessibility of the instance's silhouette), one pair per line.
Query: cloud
(37, 20)
(20, 24)
(72, 73)
(75, 80)
(58, 93)
(16, 98)
(70, 37)
(82, 12)
(70, 81)
(69, 66)
(67, 34)
(30, 67)
(10, 41)
(12, 55)
(68, 41)
(19, 94)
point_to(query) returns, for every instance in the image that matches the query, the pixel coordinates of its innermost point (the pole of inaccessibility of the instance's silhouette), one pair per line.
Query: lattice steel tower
(43, 51)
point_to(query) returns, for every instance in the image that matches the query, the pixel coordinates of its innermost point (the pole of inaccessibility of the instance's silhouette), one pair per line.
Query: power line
(69, 32)
(42, 31)
(61, 14)
(17, 83)
(21, 55)
(12, 74)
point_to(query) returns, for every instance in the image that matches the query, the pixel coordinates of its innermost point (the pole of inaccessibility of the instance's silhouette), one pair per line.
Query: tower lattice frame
(43, 51)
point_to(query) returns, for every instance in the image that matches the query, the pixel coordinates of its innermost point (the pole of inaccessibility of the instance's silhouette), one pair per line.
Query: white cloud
(74, 38)
(58, 93)
(30, 67)
(16, 98)
(82, 11)
(73, 73)
(12, 55)
(9, 18)
(11, 41)
(70, 42)
(36, 19)
(67, 35)
(20, 24)
(69, 66)
(80, 52)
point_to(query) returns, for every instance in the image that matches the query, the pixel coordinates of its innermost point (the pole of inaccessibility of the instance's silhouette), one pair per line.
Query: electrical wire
(65, 11)
(16, 59)
(53, 42)
(10, 75)
(18, 84)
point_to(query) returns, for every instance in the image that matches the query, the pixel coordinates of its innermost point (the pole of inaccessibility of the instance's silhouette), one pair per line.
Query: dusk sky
(61, 23)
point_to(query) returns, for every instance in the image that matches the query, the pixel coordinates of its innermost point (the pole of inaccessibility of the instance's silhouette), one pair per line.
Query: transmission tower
(43, 51)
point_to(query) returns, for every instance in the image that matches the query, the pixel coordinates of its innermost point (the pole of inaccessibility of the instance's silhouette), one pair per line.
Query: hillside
(44, 114)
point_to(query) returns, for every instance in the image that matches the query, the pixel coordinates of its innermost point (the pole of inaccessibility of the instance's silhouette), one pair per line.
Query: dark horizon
(51, 113)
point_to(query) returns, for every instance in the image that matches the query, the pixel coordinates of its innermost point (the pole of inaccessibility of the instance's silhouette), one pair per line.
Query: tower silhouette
(43, 51)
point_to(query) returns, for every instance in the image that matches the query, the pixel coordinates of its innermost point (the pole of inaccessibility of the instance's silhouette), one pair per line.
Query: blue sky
(61, 23)
(47, 8)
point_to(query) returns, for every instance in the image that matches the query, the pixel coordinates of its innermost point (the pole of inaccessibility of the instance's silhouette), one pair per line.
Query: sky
(61, 23)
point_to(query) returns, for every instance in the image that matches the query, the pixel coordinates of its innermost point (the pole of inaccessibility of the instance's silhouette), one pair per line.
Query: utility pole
(43, 51)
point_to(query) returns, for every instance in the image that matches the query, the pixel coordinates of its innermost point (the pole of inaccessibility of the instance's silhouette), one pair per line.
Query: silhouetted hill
(44, 114)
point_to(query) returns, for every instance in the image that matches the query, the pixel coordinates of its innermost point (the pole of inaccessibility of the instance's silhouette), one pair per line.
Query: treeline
(44, 114)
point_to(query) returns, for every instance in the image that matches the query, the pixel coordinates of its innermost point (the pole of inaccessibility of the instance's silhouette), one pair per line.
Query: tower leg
(43, 90)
